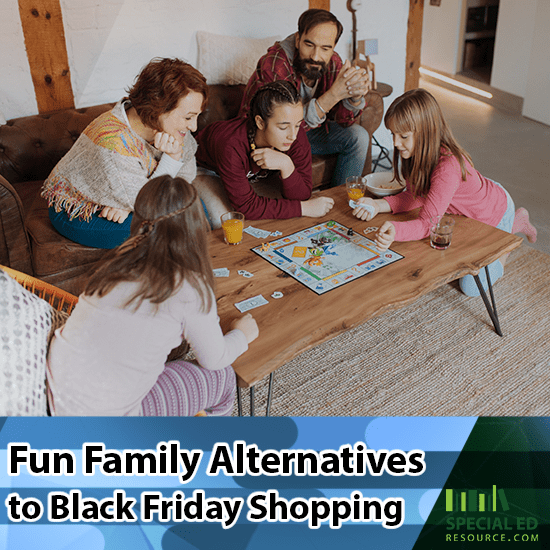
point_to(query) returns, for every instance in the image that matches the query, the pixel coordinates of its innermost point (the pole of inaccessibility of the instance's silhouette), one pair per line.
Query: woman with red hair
(92, 190)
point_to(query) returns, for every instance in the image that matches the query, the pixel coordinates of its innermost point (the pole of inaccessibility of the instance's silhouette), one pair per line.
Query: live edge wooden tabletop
(301, 319)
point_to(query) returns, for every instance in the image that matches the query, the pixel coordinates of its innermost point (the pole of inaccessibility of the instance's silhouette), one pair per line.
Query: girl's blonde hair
(418, 112)
(167, 246)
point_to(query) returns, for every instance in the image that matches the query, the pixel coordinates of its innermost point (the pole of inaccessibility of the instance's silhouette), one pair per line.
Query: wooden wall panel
(47, 53)
(319, 4)
(414, 43)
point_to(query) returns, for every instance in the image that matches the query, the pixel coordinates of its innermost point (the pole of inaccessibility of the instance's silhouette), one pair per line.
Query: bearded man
(333, 92)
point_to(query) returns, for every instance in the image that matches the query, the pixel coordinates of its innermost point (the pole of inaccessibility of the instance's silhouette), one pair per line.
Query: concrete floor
(506, 147)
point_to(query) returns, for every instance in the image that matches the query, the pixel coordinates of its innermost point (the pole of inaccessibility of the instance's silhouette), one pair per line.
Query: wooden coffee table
(301, 319)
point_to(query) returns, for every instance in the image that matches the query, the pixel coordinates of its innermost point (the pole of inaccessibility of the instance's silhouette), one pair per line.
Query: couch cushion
(31, 146)
(322, 167)
(58, 260)
(223, 103)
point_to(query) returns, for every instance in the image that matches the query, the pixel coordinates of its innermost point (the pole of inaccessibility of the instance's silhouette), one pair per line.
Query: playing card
(258, 233)
(276, 233)
(368, 207)
(245, 273)
(368, 230)
(221, 272)
(251, 303)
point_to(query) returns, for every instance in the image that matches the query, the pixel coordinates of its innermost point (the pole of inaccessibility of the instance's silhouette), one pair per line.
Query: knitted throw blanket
(107, 166)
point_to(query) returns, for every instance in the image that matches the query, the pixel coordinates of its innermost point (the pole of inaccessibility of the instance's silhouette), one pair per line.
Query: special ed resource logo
(486, 516)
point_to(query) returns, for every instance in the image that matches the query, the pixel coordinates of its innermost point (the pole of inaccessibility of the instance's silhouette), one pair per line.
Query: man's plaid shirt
(275, 65)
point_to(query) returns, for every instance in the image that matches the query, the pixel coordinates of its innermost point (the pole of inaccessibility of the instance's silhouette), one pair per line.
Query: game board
(324, 257)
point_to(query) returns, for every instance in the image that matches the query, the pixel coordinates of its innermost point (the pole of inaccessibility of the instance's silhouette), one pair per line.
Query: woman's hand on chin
(117, 215)
(167, 143)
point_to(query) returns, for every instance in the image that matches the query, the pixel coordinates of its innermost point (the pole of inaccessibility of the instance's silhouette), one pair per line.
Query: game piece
(350, 232)
(368, 207)
(251, 303)
(276, 233)
(332, 258)
(277, 295)
(265, 247)
(221, 272)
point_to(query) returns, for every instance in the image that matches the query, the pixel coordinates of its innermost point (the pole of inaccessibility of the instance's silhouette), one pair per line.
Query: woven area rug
(439, 356)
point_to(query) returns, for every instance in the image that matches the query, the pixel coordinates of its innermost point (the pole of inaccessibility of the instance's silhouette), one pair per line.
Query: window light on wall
(456, 83)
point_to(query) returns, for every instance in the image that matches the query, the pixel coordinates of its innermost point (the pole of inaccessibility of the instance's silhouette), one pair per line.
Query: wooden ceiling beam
(414, 43)
(42, 24)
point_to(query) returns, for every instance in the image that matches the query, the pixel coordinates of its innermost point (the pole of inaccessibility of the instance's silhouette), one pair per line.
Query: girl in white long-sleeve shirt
(148, 294)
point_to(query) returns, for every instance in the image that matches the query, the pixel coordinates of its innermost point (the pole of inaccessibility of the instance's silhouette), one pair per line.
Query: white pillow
(25, 324)
(230, 59)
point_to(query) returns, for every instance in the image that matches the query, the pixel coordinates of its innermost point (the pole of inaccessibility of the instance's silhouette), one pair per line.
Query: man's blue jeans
(350, 143)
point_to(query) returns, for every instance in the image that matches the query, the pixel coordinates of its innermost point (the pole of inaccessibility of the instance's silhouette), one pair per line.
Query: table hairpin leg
(252, 407)
(491, 310)
(269, 394)
(239, 402)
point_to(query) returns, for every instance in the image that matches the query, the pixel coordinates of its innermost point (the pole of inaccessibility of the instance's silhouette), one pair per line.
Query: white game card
(251, 303)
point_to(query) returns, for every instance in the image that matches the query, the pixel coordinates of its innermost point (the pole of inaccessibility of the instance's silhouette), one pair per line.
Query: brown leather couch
(29, 149)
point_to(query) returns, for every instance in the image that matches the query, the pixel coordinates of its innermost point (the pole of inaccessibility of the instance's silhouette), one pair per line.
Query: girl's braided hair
(167, 246)
(263, 102)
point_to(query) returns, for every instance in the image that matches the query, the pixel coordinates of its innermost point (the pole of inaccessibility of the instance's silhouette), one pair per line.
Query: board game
(325, 256)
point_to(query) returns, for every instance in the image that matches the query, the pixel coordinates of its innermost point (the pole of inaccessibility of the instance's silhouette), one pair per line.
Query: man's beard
(310, 73)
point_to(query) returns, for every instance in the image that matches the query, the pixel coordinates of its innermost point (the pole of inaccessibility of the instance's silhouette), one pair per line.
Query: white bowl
(382, 184)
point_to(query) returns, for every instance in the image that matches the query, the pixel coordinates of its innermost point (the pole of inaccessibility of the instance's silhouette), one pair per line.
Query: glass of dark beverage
(441, 231)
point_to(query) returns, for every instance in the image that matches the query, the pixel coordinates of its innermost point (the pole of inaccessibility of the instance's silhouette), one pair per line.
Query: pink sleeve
(445, 181)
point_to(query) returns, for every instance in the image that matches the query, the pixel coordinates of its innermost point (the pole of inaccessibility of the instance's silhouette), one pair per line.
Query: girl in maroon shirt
(270, 141)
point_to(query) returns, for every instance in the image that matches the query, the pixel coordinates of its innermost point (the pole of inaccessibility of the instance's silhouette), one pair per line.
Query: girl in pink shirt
(147, 295)
(440, 178)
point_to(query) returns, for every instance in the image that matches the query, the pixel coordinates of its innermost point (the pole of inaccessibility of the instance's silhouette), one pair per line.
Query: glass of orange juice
(355, 186)
(232, 225)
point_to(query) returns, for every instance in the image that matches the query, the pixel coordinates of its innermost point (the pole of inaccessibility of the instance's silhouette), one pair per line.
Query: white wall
(108, 42)
(537, 93)
(511, 59)
(386, 21)
(441, 36)
(16, 89)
